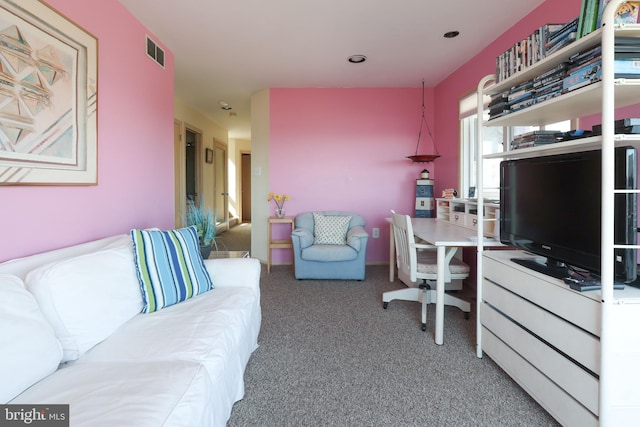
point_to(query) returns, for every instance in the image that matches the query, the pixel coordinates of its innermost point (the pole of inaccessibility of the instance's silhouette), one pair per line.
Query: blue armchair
(329, 245)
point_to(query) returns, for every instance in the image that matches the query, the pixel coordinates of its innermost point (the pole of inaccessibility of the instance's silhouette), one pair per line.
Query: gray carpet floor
(330, 355)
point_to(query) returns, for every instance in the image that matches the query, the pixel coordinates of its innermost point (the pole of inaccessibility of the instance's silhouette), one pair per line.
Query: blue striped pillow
(169, 266)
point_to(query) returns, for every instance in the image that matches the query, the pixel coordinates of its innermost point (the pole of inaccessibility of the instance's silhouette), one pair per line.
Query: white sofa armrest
(229, 272)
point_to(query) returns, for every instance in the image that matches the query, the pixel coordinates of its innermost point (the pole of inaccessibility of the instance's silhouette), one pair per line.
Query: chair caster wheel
(424, 327)
(466, 316)
(385, 305)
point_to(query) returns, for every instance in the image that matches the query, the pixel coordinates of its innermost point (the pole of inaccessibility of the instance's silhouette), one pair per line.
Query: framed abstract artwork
(48, 97)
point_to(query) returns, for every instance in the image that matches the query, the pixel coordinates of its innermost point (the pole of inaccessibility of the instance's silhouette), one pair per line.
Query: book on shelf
(627, 12)
(581, 18)
(588, 20)
(584, 75)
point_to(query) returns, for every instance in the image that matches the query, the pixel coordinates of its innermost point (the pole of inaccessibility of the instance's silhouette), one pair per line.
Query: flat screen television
(550, 206)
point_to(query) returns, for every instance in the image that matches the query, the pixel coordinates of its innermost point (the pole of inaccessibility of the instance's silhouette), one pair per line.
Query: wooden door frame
(242, 183)
(180, 181)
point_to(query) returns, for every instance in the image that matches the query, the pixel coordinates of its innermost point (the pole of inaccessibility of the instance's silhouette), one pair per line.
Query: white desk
(446, 237)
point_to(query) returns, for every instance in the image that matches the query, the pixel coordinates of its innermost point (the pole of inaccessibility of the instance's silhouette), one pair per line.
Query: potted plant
(204, 220)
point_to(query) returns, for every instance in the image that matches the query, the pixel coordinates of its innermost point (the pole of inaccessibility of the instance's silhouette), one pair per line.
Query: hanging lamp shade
(424, 158)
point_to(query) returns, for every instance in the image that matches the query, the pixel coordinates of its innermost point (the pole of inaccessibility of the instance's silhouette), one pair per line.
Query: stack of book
(534, 139)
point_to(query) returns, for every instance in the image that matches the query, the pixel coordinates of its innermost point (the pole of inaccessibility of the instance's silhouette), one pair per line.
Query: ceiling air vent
(155, 52)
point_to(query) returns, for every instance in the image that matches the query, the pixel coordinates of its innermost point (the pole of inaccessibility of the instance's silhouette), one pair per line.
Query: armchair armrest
(304, 237)
(355, 236)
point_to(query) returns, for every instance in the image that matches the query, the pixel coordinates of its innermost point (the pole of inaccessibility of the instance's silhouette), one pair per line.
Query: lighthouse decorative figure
(425, 201)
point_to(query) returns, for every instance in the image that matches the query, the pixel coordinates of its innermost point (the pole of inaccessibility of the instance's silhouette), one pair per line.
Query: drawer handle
(475, 221)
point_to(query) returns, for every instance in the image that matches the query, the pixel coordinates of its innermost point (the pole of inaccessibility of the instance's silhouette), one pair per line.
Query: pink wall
(135, 147)
(345, 149)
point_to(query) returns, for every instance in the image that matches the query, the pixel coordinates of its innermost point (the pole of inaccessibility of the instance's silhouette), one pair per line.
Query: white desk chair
(419, 261)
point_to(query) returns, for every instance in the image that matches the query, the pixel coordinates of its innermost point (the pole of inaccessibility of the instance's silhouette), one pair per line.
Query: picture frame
(209, 155)
(48, 97)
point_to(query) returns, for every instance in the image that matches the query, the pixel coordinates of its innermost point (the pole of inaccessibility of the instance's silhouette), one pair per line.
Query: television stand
(559, 272)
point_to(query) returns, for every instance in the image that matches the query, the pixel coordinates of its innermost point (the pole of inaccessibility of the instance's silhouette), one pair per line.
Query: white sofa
(73, 333)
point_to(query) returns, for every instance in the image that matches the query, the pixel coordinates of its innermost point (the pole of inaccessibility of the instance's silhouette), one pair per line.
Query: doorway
(187, 168)
(245, 167)
(221, 186)
(191, 167)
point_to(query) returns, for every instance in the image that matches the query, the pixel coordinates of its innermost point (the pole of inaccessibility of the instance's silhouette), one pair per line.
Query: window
(495, 138)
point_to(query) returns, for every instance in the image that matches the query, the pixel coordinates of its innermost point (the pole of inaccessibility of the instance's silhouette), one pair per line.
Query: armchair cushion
(329, 253)
(330, 229)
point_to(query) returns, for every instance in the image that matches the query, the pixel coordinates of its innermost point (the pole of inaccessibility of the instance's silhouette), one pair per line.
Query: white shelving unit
(577, 354)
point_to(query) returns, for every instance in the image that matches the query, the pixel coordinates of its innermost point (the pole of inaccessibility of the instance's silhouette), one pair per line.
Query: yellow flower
(278, 198)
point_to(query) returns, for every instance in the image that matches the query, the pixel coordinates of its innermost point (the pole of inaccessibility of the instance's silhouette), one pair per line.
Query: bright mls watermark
(34, 415)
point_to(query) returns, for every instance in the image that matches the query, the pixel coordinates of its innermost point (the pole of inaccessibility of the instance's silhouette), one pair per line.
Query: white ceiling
(228, 50)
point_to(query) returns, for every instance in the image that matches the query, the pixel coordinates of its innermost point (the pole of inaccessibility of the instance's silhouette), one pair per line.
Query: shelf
(573, 146)
(578, 103)
(562, 55)
(548, 62)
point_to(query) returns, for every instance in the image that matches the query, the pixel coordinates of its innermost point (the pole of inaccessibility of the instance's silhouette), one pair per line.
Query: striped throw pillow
(169, 266)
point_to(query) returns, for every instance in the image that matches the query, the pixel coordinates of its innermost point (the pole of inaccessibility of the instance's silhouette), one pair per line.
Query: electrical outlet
(376, 233)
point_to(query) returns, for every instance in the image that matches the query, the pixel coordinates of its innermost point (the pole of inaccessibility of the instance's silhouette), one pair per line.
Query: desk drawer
(457, 218)
(471, 221)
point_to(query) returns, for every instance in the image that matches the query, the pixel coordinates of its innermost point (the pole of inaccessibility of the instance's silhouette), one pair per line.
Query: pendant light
(423, 158)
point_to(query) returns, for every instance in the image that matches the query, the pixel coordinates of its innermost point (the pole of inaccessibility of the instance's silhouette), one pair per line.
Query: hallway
(237, 238)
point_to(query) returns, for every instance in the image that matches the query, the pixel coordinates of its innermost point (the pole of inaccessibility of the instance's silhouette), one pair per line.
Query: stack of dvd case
(629, 125)
(534, 139)
(526, 52)
(567, 34)
(521, 96)
(499, 105)
(549, 85)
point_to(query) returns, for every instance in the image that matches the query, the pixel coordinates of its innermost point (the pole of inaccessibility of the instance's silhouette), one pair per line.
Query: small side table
(278, 243)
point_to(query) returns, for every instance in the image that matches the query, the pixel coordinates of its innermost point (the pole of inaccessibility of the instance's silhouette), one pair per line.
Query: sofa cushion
(217, 329)
(169, 266)
(330, 229)
(30, 350)
(150, 394)
(86, 298)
